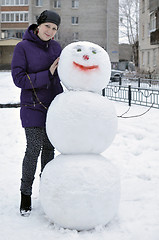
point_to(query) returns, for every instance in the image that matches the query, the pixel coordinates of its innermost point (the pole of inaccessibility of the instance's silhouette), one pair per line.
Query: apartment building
(13, 22)
(149, 37)
(81, 20)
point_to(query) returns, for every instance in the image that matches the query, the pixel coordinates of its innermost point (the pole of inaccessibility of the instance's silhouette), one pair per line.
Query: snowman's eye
(79, 50)
(94, 51)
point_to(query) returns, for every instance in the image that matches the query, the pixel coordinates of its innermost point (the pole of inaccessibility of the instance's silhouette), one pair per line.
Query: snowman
(80, 189)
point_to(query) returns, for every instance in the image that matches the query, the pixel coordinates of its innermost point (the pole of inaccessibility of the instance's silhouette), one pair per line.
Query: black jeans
(37, 142)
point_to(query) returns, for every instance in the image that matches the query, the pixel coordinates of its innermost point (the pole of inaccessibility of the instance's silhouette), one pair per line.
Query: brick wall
(14, 25)
(14, 8)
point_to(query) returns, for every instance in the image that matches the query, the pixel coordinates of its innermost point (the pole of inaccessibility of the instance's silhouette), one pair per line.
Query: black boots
(25, 205)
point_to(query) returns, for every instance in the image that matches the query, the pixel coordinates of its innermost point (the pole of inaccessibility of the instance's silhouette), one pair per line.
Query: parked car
(115, 75)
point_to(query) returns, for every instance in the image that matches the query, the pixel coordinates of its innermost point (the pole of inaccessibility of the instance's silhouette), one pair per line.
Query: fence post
(103, 92)
(120, 80)
(150, 81)
(129, 95)
(139, 82)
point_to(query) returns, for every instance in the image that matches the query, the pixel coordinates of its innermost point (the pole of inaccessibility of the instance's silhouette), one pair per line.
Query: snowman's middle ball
(81, 122)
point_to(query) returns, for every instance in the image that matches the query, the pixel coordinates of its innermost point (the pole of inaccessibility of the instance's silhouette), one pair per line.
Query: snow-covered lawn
(135, 152)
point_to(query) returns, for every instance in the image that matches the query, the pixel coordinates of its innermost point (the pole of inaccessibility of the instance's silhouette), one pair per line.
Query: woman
(34, 64)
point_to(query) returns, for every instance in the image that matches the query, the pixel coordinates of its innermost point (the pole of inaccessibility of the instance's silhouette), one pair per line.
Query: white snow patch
(134, 152)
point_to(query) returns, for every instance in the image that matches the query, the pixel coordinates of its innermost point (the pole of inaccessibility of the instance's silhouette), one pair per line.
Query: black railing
(138, 91)
(133, 95)
(136, 82)
(9, 105)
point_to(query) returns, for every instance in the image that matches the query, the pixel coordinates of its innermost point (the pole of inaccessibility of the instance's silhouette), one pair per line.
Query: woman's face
(47, 31)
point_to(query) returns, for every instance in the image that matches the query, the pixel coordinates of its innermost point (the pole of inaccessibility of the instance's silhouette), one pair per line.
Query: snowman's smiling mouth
(85, 68)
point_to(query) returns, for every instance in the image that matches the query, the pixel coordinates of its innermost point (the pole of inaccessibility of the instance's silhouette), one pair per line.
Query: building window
(15, 17)
(142, 58)
(152, 22)
(154, 57)
(57, 4)
(75, 36)
(39, 3)
(25, 17)
(75, 4)
(12, 33)
(148, 58)
(143, 6)
(21, 17)
(75, 20)
(7, 17)
(3, 17)
(148, 29)
(12, 17)
(35, 18)
(143, 31)
(14, 2)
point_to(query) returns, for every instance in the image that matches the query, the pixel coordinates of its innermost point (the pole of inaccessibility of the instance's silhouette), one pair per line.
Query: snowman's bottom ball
(80, 191)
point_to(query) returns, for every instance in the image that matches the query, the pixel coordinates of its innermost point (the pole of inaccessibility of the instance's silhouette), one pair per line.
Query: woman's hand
(54, 66)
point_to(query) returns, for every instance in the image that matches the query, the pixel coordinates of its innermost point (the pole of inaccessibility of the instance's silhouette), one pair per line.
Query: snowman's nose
(85, 57)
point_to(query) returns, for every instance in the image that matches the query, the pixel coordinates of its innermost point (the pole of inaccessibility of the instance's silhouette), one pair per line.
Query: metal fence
(136, 82)
(142, 82)
(133, 95)
(137, 91)
(9, 105)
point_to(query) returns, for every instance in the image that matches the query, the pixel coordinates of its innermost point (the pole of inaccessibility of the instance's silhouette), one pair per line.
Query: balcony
(154, 36)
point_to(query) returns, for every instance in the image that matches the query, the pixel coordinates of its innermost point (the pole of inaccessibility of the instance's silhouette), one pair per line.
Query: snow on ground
(8, 92)
(135, 152)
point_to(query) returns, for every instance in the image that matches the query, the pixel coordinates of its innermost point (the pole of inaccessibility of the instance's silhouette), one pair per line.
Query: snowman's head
(84, 66)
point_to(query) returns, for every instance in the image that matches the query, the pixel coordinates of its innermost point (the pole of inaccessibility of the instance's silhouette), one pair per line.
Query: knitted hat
(49, 16)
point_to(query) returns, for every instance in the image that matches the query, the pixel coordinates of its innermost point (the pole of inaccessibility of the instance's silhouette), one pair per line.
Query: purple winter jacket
(34, 57)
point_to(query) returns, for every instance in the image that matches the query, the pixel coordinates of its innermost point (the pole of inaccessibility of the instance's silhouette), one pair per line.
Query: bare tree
(129, 15)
